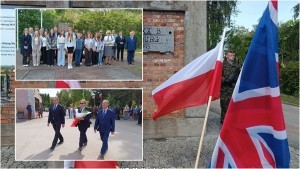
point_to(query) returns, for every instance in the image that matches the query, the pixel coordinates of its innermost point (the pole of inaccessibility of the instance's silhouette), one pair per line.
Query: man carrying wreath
(84, 116)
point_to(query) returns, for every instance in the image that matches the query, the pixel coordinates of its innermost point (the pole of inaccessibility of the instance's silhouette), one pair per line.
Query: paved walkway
(116, 71)
(34, 138)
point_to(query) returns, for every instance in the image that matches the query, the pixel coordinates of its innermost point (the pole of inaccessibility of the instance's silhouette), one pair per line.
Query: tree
(239, 39)
(64, 98)
(85, 20)
(218, 17)
(289, 40)
(27, 19)
(296, 11)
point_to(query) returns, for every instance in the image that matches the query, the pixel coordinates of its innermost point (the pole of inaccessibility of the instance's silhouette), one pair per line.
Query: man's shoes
(52, 148)
(80, 148)
(101, 157)
(60, 142)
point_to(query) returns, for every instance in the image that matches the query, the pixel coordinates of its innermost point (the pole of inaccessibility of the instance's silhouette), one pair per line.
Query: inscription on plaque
(158, 39)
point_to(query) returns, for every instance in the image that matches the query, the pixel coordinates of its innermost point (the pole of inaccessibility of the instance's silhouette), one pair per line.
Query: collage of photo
(149, 84)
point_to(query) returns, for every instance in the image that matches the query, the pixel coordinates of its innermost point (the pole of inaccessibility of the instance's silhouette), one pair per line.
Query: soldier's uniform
(230, 73)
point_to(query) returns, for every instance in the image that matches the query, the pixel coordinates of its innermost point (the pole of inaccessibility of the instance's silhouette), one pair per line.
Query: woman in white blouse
(61, 40)
(44, 46)
(70, 46)
(88, 43)
(109, 42)
(36, 48)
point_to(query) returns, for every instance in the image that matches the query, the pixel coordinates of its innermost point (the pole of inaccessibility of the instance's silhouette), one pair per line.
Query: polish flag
(83, 164)
(193, 84)
(67, 84)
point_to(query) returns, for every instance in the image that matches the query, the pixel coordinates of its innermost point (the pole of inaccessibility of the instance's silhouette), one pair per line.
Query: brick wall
(157, 67)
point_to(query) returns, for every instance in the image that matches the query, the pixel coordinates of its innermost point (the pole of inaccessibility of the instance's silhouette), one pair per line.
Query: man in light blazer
(105, 124)
(57, 119)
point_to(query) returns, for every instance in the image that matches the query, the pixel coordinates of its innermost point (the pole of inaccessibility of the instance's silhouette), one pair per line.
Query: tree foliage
(117, 97)
(46, 100)
(218, 17)
(289, 78)
(72, 98)
(296, 11)
(93, 20)
(289, 40)
(239, 39)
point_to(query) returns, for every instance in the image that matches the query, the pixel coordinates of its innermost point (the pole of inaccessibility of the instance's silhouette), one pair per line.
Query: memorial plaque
(158, 39)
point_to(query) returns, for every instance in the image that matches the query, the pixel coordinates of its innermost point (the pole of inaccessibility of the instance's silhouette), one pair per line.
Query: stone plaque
(158, 39)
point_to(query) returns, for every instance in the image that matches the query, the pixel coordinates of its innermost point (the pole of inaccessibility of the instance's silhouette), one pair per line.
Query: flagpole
(203, 132)
(208, 105)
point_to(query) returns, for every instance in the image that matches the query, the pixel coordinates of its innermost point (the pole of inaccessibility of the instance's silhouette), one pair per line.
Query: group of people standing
(44, 47)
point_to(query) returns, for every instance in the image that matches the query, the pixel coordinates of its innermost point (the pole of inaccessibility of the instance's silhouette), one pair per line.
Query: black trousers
(95, 58)
(82, 137)
(118, 53)
(88, 57)
(50, 56)
(44, 55)
(140, 115)
(25, 57)
(58, 135)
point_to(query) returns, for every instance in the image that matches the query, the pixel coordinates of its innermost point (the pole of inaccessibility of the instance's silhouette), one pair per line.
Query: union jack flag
(253, 134)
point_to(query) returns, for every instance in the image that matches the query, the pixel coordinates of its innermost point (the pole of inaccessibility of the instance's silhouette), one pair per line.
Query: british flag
(253, 134)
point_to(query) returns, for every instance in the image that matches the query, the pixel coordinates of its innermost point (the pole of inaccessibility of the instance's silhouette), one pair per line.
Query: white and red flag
(193, 84)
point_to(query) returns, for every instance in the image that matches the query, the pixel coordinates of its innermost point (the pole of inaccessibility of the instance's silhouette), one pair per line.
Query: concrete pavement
(34, 138)
(116, 71)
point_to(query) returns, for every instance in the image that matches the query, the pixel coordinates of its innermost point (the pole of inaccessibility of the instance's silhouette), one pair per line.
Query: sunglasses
(82, 103)
(108, 33)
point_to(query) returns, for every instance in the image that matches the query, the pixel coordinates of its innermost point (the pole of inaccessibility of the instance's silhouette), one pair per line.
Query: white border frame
(110, 80)
(80, 89)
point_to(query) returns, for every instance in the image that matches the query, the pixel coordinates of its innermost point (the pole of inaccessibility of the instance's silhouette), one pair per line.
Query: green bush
(289, 78)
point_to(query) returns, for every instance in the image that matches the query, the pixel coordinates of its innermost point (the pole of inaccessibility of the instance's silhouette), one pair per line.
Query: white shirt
(60, 40)
(88, 43)
(109, 41)
(44, 41)
(35, 42)
(70, 43)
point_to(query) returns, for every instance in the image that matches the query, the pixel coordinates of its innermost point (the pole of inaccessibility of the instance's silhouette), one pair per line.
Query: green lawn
(290, 100)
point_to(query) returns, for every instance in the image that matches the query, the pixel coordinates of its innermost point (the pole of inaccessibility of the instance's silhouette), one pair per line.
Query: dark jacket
(119, 40)
(86, 122)
(106, 123)
(131, 44)
(56, 116)
(29, 108)
(26, 41)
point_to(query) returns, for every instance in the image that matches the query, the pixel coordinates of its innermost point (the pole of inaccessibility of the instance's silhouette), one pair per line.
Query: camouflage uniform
(230, 73)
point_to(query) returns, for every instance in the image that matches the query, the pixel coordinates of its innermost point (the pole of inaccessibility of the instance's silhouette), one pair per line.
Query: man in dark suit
(131, 43)
(57, 119)
(120, 40)
(83, 124)
(105, 124)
